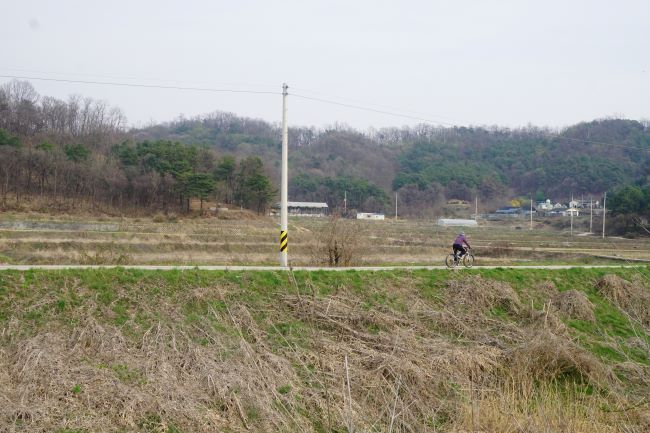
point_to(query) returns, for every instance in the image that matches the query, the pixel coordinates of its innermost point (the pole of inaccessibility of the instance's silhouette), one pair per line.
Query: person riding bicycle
(458, 246)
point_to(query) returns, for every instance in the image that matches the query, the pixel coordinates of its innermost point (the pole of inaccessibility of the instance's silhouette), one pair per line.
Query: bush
(338, 243)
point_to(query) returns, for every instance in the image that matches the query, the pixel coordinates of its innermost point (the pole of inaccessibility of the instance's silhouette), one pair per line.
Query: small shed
(508, 210)
(370, 216)
(449, 222)
(303, 208)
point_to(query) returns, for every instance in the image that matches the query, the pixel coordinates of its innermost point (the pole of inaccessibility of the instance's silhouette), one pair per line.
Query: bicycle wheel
(468, 260)
(449, 261)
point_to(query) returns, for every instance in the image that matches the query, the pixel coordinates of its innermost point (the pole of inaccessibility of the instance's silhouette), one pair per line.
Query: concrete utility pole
(591, 215)
(395, 206)
(476, 209)
(571, 207)
(531, 212)
(345, 203)
(604, 212)
(284, 183)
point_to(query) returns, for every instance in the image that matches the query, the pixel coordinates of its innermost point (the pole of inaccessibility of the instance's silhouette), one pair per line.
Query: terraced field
(37, 239)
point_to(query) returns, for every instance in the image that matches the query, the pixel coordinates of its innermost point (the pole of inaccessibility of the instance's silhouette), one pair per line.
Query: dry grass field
(40, 239)
(491, 351)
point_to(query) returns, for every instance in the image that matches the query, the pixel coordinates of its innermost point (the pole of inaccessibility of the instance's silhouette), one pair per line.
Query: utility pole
(571, 203)
(395, 206)
(476, 209)
(284, 183)
(591, 215)
(531, 211)
(345, 203)
(604, 212)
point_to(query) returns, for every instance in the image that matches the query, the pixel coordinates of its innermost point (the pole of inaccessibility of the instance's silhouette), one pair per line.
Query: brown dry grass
(305, 362)
(574, 304)
(478, 293)
(546, 408)
(631, 297)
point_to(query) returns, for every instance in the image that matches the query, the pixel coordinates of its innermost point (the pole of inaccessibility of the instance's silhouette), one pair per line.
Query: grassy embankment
(491, 350)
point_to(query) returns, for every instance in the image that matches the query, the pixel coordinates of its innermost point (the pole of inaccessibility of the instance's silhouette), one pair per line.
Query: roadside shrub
(339, 243)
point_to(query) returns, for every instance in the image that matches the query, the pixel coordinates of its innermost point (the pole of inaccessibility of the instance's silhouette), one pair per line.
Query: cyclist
(458, 246)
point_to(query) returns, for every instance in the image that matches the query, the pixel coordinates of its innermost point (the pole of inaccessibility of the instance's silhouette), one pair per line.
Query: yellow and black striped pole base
(284, 241)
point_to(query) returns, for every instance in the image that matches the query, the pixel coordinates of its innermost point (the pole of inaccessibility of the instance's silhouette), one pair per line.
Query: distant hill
(427, 164)
(81, 148)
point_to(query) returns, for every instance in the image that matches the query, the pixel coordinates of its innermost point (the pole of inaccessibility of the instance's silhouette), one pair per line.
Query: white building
(448, 222)
(370, 216)
(303, 208)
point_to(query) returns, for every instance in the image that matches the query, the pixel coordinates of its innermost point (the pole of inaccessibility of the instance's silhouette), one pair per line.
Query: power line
(378, 106)
(208, 89)
(374, 110)
(140, 85)
(133, 78)
(436, 122)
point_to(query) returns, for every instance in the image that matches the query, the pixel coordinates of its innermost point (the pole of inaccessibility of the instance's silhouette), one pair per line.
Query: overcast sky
(507, 62)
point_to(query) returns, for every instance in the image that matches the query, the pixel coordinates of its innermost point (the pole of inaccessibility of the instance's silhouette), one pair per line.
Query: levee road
(296, 268)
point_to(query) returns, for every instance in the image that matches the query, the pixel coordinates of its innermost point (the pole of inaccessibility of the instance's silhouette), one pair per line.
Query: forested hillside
(528, 160)
(427, 165)
(82, 150)
(79, 154)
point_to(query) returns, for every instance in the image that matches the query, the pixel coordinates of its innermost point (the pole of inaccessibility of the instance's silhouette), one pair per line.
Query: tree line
(66, 152)
(158, 175)
(64, 144)
(358, 194)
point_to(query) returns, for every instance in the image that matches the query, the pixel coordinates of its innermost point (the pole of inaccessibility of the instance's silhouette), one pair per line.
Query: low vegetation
(194, 351)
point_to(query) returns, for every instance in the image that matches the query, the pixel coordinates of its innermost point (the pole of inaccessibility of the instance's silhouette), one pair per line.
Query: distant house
(303, 208)
(508, 211)
(573, 211)
(585, 204)
(448, 222)
(559, 206)
(545, 205)
(370, 216)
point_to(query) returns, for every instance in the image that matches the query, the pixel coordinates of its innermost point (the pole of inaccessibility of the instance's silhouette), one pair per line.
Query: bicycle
(452, 261)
